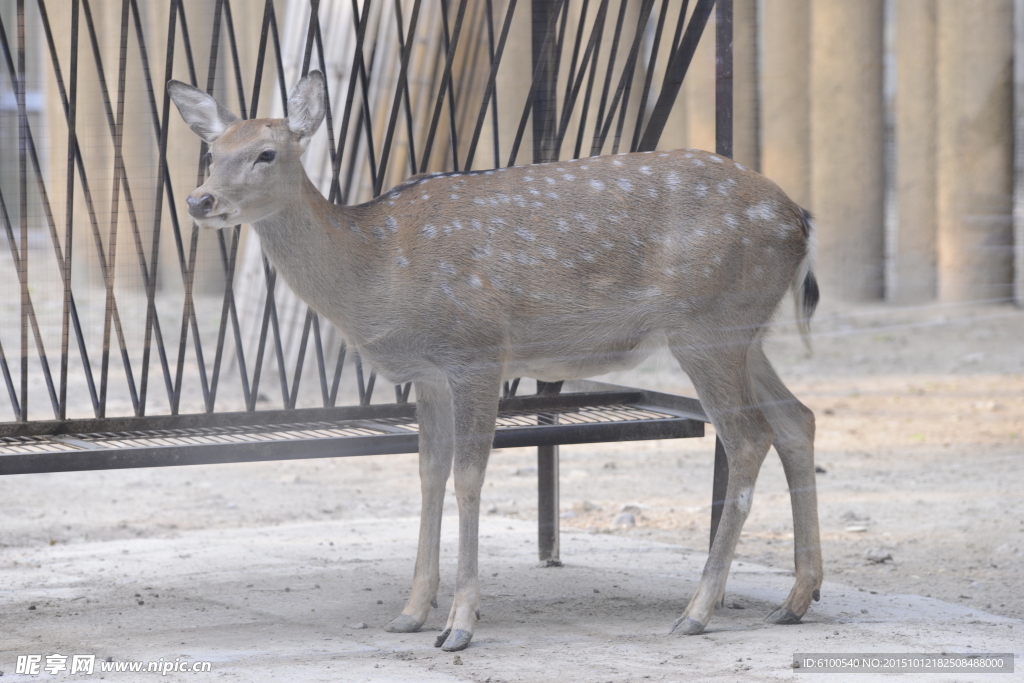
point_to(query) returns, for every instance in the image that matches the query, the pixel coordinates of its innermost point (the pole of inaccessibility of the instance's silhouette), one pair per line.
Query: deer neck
(311, 244)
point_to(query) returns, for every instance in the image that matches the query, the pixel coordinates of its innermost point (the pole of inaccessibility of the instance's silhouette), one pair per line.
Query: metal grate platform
(584, 417)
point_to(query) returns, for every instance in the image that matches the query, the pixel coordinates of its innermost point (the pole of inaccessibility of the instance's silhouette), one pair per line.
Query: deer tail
(805, 285)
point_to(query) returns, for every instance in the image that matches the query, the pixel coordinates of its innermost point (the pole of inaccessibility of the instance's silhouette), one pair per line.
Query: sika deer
(557, 271)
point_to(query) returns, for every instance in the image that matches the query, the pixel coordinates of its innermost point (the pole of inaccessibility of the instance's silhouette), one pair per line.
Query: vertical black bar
(719, 487)
(723, 146)
(69, 214)
(545, 64)
(723, 78)
(547, 489)
(19, 89)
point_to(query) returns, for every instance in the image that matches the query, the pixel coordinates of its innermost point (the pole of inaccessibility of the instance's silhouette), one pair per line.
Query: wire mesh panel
(115, 305)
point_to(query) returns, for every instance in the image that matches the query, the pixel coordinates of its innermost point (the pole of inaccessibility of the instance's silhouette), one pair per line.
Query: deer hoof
(458, 640)
(782, 615)
(687, 626)
(403, 623)
(443, 637)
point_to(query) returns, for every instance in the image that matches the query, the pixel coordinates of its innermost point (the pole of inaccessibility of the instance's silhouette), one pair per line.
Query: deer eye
(267, 155)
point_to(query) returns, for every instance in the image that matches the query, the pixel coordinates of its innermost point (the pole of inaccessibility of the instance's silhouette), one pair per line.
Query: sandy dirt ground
(288, 570)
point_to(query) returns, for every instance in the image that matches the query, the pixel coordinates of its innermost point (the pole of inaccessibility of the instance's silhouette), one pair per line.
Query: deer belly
(581, 360)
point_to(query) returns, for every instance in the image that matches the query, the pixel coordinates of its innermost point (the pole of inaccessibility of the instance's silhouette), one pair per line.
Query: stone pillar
(847, 174)
(912, 275)
(975, 170)
(785, 97)
(1018, 105)
(745, 99)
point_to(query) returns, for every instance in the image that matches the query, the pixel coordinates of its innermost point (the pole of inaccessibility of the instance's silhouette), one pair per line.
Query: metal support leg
(547, 492)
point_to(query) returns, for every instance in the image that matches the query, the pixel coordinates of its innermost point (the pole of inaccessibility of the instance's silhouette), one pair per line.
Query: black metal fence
(100, 269)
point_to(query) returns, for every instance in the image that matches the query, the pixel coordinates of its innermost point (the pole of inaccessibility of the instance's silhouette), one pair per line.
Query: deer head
(247, 157)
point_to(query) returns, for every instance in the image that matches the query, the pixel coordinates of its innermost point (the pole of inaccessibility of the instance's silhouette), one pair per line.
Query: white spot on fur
(525, 259)
(527, 178)
(549, 252)
(605, 244)
(474, 281)
(701, 190)
(391, 224)
(724, 187)
(533, 192)
(672, 180)
(730, 220)
(526, 234)
(596, 184)
(568, 263)
(716, 159)
(696, 162)
(551, 195)
(479, 201)
(429, 231)
(550, 181)
(616, 162)
(744, 499)
(663, 155)
(741, 167)
(476, 225)
(454, 196)
(760, 211)
(587, 256)
(488, 172)
(402, 261)
(446, 267)
(563, 225)
(646, 170)
(651, 192)
(569, 176)
(652, 291)
(624, 184)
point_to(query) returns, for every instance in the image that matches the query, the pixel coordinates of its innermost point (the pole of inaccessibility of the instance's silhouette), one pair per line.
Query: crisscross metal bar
(678, 65)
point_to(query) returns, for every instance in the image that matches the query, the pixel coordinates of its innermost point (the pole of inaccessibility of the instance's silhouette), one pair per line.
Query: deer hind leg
(793, 426)
(476, 408)
(437, 427)
(719, 374)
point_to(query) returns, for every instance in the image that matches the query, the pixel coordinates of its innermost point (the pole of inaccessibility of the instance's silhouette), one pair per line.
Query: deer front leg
(476, 408)
(437, 426)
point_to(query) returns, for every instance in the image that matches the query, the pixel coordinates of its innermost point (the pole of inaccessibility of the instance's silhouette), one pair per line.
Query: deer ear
(203, 114)
(307, 106)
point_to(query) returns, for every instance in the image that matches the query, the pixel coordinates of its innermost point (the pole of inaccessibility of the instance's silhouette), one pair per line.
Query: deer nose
(199, 207)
